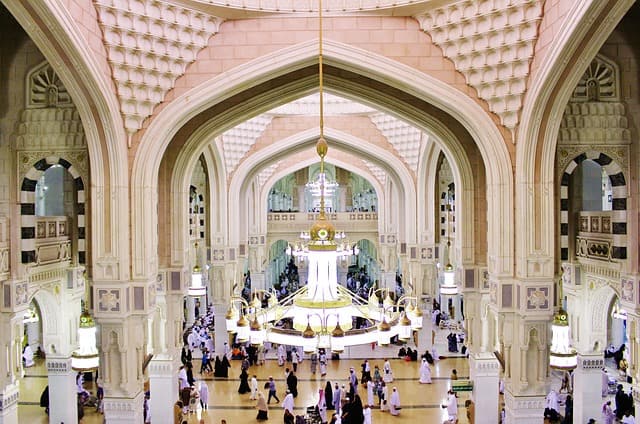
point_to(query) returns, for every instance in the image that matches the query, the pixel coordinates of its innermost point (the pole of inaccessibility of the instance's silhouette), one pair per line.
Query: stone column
(63, 406)
(163, 384)
(9, 404)
(221, 335)
(484, 371)
(191, 310)
(587, 383)
(425, 341)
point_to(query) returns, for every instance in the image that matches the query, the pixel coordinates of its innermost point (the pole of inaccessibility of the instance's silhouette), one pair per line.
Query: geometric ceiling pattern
(237, 141)
(492, 44)
(149, 45)
(405, 138)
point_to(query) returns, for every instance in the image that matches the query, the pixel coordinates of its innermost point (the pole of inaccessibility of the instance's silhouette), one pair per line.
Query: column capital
(484, 364)
(590, 361)
(9, 400)
(58, 365)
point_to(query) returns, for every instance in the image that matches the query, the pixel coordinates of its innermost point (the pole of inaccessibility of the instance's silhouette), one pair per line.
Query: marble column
(9, 404)
(124, 410)
(587, 387)
(163, 384)
(191, 310)
(425, 341)
(63, 407)
(484, 371)
(220, 323)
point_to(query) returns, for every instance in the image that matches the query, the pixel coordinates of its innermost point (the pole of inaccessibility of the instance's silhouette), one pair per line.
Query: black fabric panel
(64, 163)
(619, 228)
(27, 208)
(619, 204)
(619, 252)
(82, 257)
(28, 256)
(27, 233)
(603, 160)
(42, 165)
(28, 185)
(79, 183)
(565, 179)
(564, 229)
(564, 204)
(617, 180)
(564, 253)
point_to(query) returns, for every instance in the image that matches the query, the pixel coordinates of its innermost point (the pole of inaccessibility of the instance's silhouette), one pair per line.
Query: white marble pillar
(425, 341)
(388, 280)
(587, 387)
(163, 384)
(32, 329)
(9, 404)
(125, 410)
(220, 325)
(484, 371)
(258, 280)
(63, 405)
(191, 310)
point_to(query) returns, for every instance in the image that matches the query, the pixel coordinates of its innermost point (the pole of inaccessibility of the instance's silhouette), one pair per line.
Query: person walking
(314, 362)
(425, 372)
(272, 390)
(387, 372)
(254, 387)
(292, 383)
(384, 399)
(288, 403)
(204, 395)
(328, 395)
(282, 355)
(263, 409)
(322, 406)
(452, 406)
(323, 363)
(394, 402)
(608, 416)
(295, 358)
(244, 383)
(337, 398)
(370, 393)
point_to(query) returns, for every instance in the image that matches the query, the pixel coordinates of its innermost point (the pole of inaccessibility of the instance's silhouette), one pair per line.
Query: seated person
(402, 352)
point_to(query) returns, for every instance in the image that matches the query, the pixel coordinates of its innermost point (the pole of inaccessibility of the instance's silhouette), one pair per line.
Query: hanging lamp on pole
(86, 358)
(561, 355)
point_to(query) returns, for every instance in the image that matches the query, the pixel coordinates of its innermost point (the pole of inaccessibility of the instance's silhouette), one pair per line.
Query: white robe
(452, 407)
(370, 393)
(425, 373)
(552, 401)
(394, 403)
(282, 355)
(287, 403)
(254, 388)
(204, 394)
(27, 355)
(322, 408)
(182, 377)
(367, 415)
(387, 373)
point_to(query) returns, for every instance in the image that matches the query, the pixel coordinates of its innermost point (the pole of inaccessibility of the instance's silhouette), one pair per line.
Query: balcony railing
(595, 235)
(53, 242)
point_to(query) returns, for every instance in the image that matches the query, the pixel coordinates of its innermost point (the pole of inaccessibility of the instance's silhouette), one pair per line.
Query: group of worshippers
(192, 396)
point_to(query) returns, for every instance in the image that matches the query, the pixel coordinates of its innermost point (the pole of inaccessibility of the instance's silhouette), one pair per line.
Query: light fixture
(449, 286)
(86, 357)
(196, 288)
(561, 355)
(618, 312)
(322, 311)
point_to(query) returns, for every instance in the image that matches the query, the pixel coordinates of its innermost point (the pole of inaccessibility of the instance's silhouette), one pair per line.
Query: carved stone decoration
(491, 43)
(594, 122)
(109, 300)
(266, 173)
(237, 141)
(599, 83)
(627, 290)
(149, 45)
(50, 128)
(566, 154)
(22, 294)
(404, 138)
(377, 172)
(45, 89)
(537, 298)
(78, 158)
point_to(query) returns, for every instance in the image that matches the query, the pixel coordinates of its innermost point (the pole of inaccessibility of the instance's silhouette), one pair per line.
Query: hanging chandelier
(86, 357)
(449, 286)
(322, 312)
(561, 355)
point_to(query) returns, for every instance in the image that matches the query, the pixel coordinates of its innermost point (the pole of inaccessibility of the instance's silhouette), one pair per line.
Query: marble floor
(420, 402)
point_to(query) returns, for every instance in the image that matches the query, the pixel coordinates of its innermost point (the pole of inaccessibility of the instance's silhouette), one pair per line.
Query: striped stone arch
(619, 203)
(28, 207)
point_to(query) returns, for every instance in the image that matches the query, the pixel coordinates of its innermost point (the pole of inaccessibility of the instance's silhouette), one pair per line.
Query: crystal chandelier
(322, 312)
